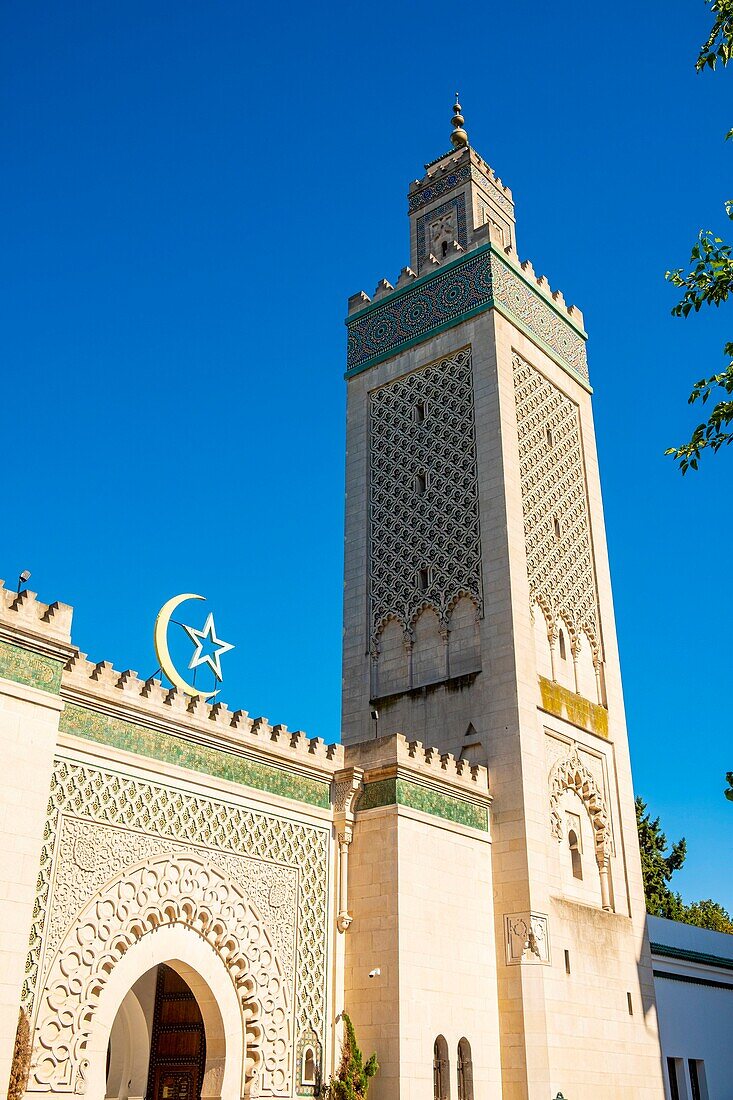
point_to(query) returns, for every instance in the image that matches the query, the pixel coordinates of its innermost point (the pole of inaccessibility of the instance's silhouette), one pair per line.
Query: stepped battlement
(24, 612)
(92, 684)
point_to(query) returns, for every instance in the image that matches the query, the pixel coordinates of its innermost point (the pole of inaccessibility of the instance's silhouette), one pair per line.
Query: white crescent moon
(160, 639)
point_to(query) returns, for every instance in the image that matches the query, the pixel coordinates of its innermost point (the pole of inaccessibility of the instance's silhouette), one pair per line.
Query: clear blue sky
(190, 193)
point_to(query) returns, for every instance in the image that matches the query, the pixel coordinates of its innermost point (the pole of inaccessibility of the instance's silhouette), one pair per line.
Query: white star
(198, 637)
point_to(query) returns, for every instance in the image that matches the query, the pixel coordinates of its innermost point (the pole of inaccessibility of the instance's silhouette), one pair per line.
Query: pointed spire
(459, 137)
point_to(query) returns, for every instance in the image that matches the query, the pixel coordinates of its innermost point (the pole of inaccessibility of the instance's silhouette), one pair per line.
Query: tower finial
(459, 137)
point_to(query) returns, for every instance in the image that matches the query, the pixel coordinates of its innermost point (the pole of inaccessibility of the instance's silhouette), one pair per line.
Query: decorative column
(347, 790)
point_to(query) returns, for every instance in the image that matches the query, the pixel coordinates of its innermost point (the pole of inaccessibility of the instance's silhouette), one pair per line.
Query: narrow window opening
(308, 1074)
(697, 1079)
(563, 650)
(567, 962)
(441, 1078)
(549, 438)
(630, 1004)
(575, 855)
(465, 1071)
(423, 578)
(421, 483)
(444, 248)
(674, 1081)
(420, 412)
(556, 525)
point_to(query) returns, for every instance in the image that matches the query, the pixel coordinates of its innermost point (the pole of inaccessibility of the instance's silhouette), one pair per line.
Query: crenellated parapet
(149, 702)
(398, 771)
(23, 613)
(466, 283)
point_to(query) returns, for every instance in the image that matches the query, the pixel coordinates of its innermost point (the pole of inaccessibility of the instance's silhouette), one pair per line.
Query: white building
(693, 982)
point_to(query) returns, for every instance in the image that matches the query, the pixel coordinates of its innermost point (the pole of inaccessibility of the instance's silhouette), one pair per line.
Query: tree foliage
(21, 1063)
(709, 280)
(729, 791)
(657, 868)
(354, 1074)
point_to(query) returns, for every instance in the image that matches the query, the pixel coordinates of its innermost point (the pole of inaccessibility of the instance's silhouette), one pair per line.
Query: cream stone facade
(190, 898)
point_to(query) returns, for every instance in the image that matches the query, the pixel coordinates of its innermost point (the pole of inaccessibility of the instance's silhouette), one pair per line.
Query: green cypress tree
(352, 1080)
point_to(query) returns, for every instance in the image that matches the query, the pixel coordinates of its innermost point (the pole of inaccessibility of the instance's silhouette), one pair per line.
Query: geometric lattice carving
(450, 216)
(187, 890)
(145, 815)
(424, 538)
(569, 773)
(555, 507)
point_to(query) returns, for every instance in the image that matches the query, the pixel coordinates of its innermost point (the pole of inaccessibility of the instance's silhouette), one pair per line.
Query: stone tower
(479, 617)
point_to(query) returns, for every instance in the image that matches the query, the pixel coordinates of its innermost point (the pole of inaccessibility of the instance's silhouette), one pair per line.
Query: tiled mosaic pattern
(419, 198)
(411, 528)
(219, 827)
(468, 286)
(511, 292)
(106, 730)
(402, 792)
(25, 667)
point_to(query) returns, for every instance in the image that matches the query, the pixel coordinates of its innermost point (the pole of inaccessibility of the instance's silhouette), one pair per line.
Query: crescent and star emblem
(208, 651)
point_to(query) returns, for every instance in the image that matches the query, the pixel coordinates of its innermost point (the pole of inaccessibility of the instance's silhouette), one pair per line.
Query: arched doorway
(157, 1046)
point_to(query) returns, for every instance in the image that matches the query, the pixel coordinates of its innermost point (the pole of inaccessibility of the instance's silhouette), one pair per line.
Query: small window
(423, 579)
(444, 249)
(441, 1068)
(673, 1067)
(575, 855)
(698, 1086)
(308, 1070)
(563, 650)
(465, 1071)
(556, 525)
(421, 483)
(630, 1003)
(420, 412)
(567, 962)
(549, 438)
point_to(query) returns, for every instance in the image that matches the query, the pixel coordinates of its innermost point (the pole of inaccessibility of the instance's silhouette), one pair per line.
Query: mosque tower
(478, 618)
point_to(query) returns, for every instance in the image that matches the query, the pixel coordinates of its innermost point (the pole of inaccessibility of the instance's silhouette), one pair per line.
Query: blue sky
(191, 191)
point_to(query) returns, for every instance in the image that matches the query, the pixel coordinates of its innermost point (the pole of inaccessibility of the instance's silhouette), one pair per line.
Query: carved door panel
(178, 1084)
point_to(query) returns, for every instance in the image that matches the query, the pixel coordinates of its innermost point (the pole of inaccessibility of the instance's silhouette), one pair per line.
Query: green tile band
(33, 669)
(167, 747)
(402, 792)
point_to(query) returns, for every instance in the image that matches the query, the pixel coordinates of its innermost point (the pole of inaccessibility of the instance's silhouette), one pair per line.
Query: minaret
(478, 616)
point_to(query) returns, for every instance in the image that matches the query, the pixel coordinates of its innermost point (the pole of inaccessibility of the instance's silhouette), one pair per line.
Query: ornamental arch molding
(191, 895)
(569, 773)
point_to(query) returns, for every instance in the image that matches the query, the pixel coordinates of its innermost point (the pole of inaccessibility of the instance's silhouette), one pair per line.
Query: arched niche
(429, 649)
(464, 649)
(392, 668)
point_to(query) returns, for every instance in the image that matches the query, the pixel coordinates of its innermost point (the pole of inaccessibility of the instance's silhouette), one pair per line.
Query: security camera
(375, 973)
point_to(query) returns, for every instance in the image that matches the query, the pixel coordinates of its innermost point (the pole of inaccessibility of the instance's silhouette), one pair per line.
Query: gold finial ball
(459, 137)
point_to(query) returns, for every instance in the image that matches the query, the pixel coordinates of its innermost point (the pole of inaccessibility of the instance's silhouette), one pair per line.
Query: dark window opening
(630, 1004)
(421, 483)
(549, 437)
(567, 962)
(444, 248)
(575, 854)
(674, 1084)
(420, 412)
(423, 579)
(563, 651)
(556, 525)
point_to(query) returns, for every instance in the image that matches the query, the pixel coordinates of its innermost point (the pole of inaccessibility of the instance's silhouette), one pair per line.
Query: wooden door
(178, 1046)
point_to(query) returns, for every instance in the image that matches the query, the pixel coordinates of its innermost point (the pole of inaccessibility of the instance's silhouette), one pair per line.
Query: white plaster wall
(28, 730)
